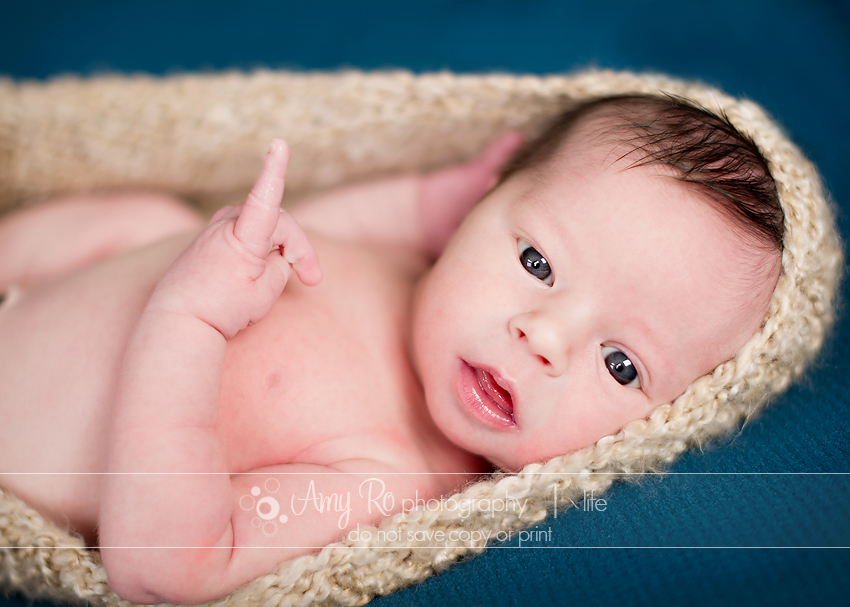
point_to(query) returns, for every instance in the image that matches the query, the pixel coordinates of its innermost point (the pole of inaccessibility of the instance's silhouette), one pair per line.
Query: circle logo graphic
(266, 508)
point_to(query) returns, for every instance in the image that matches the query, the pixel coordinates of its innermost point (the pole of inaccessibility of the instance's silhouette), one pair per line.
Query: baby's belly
(61, 345)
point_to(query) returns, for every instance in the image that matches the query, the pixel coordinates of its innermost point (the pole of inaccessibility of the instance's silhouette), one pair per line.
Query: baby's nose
(543, 338)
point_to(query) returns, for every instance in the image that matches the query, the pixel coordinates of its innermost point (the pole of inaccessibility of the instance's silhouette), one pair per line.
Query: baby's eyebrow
(543, 218)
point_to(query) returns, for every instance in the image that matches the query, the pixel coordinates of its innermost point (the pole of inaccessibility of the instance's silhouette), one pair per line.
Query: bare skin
(222, 363)
(74, 303)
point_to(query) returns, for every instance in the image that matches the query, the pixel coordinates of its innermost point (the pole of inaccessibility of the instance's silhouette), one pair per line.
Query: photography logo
(267, 509)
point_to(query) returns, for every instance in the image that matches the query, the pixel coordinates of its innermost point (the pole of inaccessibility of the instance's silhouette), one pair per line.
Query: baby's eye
(534, 263)
(620, 367)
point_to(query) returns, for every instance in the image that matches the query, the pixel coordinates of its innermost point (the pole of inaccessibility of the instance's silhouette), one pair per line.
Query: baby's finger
(259, 216)
(296, 249)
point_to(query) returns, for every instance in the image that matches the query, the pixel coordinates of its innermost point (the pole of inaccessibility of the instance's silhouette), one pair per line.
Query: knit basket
(203, 137)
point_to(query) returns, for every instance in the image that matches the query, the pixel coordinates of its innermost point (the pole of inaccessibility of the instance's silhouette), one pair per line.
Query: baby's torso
(325, 377)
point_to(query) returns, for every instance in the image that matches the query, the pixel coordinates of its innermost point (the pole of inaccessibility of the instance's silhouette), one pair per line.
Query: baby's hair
(703, 148)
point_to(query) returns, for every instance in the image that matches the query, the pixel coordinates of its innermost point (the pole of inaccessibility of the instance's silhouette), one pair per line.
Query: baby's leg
(65, 234)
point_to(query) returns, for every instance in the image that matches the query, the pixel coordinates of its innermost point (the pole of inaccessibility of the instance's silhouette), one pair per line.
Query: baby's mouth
(500, 396)
(486, 396)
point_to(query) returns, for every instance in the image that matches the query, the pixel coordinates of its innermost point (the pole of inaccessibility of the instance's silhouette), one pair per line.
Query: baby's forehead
(591, 152)
(593, 159)
(600, 141)
(689, 146)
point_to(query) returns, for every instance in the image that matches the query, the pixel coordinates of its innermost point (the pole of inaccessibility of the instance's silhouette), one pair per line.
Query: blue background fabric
(762, 517)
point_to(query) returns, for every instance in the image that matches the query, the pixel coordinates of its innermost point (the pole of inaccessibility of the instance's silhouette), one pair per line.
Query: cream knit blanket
(203, 137)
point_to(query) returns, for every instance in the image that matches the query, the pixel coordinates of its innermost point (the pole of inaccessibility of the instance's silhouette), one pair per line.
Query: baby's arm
(62, 235)
(164, 417)
(418, 212)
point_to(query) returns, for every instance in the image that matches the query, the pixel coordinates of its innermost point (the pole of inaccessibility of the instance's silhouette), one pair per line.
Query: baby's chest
(326, 375)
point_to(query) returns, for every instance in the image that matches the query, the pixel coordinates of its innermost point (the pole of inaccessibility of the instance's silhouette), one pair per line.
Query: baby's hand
(448, 195)
(234, 271)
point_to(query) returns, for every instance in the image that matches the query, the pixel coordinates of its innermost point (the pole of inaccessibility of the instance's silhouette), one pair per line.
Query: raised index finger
(259, 215)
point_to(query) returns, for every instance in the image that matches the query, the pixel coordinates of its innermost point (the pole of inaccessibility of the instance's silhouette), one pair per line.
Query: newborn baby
(628, 251)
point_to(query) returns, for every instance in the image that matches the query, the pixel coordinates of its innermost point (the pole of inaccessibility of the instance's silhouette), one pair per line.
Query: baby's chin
(505, 462)
(516, 464)
(501, 466)
(526, 455)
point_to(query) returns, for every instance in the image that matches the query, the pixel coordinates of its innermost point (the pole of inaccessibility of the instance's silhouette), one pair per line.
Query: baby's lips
(504, 386)
(497, 389)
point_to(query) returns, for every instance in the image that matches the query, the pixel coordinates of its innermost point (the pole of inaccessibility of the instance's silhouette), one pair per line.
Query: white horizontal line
(447, 473)
(488, 547)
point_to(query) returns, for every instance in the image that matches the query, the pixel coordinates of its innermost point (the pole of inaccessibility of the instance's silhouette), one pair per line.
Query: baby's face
(573, 302)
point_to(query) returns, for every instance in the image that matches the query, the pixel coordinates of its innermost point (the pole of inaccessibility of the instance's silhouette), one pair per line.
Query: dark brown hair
(703, 148)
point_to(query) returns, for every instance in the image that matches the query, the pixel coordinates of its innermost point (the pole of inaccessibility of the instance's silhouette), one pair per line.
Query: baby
(629, 250)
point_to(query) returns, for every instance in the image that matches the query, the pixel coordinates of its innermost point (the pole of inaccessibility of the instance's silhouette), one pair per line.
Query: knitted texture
(204, 136)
